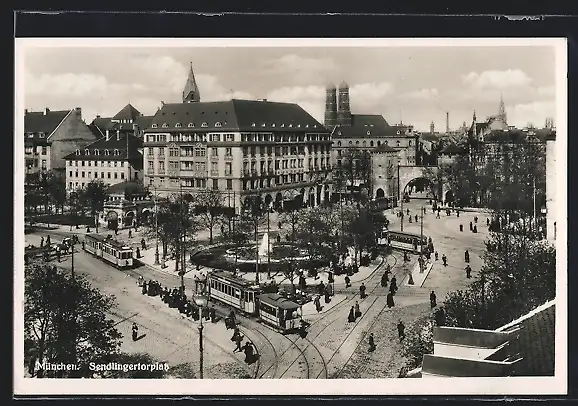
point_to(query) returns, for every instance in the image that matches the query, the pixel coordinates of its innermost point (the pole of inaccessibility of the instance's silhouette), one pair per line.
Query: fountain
(264, 248)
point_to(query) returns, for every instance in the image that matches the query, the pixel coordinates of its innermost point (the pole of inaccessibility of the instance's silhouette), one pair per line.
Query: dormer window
(273, 125)
(368, 132)
(282, 125)
(397, 143)
(41, 135)
(263, 125)
(290, 125)
(178, 125)
(218, 124)
(350, 142)
(398, 132)
(252, 124)
(154, 126)
(306, 125)
(96, 152)
(116, 152)
(338, 143)
(106, 152)
(86, 152)
(314, 125)
(30, 135)
(191, 125)
(165, 125)
(204, 125)
(77, 152)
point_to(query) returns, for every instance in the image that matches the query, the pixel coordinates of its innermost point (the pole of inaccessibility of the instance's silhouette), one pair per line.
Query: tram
(271, 308)
(402, 241)
(109, 250)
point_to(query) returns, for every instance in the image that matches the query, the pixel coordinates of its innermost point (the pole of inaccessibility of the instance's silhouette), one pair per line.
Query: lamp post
(201, 301)
(156, 228)
(421, 243)
(268, 242)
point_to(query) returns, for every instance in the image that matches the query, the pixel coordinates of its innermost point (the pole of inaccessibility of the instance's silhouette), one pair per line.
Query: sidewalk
(310, 313)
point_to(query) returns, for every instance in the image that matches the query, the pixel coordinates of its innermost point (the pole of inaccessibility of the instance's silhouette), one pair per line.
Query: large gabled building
(127, 120)
(50, 135)
(112, 159)
(242, 148)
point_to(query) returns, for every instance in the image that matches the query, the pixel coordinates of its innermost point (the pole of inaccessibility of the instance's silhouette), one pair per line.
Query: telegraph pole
(402, 214)
(421, 243)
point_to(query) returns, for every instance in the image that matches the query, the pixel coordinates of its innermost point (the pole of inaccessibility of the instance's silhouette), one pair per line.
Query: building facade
(551, 194)
(112, 159)
(384, 164)
(242, 148)
(51, 135)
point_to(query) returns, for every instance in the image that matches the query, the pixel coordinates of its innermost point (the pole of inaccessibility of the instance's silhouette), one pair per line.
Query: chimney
(135, 130)
(447, 122)
(78, 111)
(25, 111)
(118, 135)
(107, 135)
(46, 110)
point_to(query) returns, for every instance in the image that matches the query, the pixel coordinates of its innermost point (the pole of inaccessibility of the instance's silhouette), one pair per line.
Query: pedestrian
(347, 281)
(144, 288)
(393, 286)
(438, 214)
(432, 299)
(48, 242)
(487, 222)
(384, 280)
(143, 244)
(475, 230)
(371, 343)
(467, 256)
(317, 304)
(327, 298)
(362, 291)
(440, 317)
(409, 219)
(476, 219)
(436, 255)
(416, 218)
(408, 212)
(424, 210)
(468, 272)
(129, 233)
(320, 288)
(235, 333)
(140, 281)
(390, 302)
(357, 311)
(445, 260)
(134, 331)
(41, 242)
(238, 341)
(137, 252)
(457, 212)
(248, 350)
(351, 316)
(461, 228)
(213, 314)
(471, 226)
(401, 331)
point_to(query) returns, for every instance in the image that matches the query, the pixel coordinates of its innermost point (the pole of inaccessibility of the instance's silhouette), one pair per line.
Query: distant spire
(191, 92)
(502, 110)
(474, 116)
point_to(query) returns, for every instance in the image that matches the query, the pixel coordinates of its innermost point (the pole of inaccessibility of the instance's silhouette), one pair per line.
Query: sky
(413, 85)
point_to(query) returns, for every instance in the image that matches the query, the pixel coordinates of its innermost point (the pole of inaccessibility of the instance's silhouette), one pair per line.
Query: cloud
(65, 84)
(496, 79)
(520, 115)
(300, 69)
(423, 94)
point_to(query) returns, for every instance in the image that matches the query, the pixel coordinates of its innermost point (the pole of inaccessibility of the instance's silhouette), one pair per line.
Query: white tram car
(402, 241)
(109, 250)
(247, 297)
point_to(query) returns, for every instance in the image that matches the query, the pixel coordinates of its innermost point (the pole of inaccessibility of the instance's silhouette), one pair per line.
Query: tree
(418, 341)
(355, 169)
(57, 190)
(241, 233)
(254, 210)
(209, 207)
(65, 320)
(95, 195)
(291, 213)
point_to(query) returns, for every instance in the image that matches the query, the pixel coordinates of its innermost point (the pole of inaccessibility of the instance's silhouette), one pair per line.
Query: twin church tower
(337, 114)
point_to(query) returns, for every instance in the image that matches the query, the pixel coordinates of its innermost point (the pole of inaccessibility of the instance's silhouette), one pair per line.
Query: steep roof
(144, 122)
(191, 90)
(453, 149)
(429, 137)
(384, 148)
(97, 151)
(98, 133)
(43, 121)
(128, 112)
(365, 125)
(126, 186)
(102, 123)
(234, 115)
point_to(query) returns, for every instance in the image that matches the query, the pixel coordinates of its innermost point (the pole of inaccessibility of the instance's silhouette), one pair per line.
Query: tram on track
(402, 241)
(272, 309)
(109, 250)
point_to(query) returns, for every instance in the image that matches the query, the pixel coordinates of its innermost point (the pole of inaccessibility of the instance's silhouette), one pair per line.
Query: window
(229, 184)
(77, 152)
(96, 152)
(252, 124)
(108, 175)
(228, 151)
(122, 164)
(409, 143)
(95, 175)
(82, 163)
(215, 137)
(154, 126)
(165, 125)
(173, 152)
(116, 175)
(70, 174)
(89, 163)
(191, 125)
(161, 152)
(215, 184)
(229, 137)
(41, 135)
(178, 125)
(116, 152)
(214, 151)
(204, 125)
(397, 143)
(43, 150)
(106, 152)
(102, 175)
(217, 124)
(228, 168)
(115, 163)
(30, 135)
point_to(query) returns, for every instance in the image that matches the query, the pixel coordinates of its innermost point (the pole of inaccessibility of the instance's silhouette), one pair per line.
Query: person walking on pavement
(436, 255)
(471, 226)
(129, 233)
(445, 260)
(351, 316)
(432, 299)
(238, 341)
(476, 219)
(134, 331)
(416, 218)
(357, 311)
(42, 242)
(371, 343)
(401, 331)
(347, 281)
(467, 256)
(390, 302)
(438, 214)
(393, 286)
(384, 280)
(213, 314)
(317, 304)
(487, 222)
(362, 291)
(468, 272)
(140, 280)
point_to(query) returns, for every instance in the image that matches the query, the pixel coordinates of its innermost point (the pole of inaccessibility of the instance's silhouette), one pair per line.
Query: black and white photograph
(312, 216)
